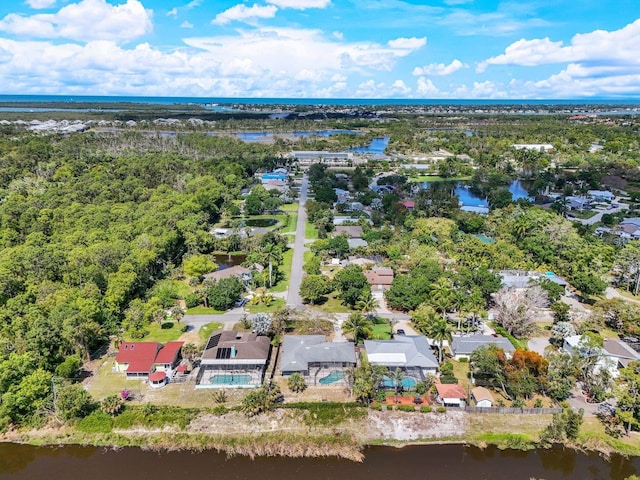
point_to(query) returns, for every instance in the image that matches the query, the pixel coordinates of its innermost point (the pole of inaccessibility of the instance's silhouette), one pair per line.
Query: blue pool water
(331, 378)
(229, 379)
(407, 382)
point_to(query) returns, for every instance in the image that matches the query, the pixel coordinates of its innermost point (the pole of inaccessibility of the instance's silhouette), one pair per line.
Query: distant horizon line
(36, 97)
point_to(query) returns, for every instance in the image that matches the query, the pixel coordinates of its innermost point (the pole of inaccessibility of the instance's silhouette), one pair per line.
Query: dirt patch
(394, 425)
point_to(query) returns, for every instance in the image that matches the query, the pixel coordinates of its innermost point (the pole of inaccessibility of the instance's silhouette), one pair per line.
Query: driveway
(293, 298)
(598, 216)
(538, 344)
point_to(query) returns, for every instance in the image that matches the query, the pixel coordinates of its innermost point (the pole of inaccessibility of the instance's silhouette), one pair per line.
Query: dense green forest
(89, 223)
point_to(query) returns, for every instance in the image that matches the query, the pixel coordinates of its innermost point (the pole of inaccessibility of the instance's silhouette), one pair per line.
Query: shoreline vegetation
(302, 432)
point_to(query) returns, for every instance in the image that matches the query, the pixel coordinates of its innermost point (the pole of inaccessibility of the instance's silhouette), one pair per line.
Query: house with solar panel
(233, 359)
(321, 363)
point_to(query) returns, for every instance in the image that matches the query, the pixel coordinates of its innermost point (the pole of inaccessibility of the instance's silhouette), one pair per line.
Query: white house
(601, 195)
(482, 397)
(451, 395)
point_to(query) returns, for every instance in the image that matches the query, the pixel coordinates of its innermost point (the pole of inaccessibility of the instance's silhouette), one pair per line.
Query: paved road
(611, 292)
(293, 298)
(598, 216)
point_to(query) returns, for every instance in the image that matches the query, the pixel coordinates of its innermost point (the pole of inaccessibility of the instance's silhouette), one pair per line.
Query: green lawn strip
(584, 214)
(290, 207)
(200, 310)
(261, 308)
(334, 305)
(381, 332)
(293, 223)
(517, 343)
(310, 232)
(205, 331)
(287, 260)
(307, 255)
(157, 333)
(461, 372)
(437, 178)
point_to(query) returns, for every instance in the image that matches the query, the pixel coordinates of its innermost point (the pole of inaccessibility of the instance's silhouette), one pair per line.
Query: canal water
(468, 198)
(450, 462)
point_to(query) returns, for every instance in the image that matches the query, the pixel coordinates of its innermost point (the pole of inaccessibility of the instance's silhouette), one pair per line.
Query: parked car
(400, 331)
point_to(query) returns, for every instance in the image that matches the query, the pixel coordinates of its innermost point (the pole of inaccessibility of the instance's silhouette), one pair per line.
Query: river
(450, 462)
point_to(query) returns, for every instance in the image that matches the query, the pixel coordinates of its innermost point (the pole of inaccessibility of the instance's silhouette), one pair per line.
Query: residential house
(357, 243)
(521, 279)
(233, 359)
(620, 351)
(140, 359)
(610, 363)
(318, 361)
(482, 397)
(351, 231)
(311, 157)
(578, 203)
(463, 347)
(475, 209)
(409, 204)
(539, 147)
(450, 395)
(601, 195)
(410, 353)
(242, 273)
(380, 279)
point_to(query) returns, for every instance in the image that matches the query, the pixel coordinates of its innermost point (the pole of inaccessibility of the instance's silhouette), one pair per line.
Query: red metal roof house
(139, 359)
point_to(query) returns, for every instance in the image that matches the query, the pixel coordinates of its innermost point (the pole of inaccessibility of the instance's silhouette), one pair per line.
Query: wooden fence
(530, 411)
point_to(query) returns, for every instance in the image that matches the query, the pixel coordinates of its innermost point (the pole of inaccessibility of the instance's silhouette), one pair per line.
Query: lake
(226, 261)
(449, 462)
(468, 198)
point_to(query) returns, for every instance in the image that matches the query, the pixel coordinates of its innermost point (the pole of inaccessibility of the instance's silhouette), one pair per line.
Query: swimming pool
(333, 377)
(407, 382)
(230, 379)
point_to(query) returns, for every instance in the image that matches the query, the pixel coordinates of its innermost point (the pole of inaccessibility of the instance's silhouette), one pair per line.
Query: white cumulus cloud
(242, 13)
(84, 21)
(186, 24)
(600, 47)
(439, 69)
(426, 88)
(37, 4)
(412, 43)
(300, 4)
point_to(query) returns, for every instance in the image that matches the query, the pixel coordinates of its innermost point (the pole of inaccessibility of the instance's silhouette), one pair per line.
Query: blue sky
(445, 49)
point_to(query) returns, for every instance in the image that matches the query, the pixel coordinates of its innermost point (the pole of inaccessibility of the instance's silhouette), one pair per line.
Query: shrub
(376, 407)
(441, 409)
(111, 405)
(463, 360)
(192, 300)
(97, 422)
(389, 407)
(406, 408)
(537, 403)
(426, 409)
(220, 396)
(296, 382)
(69, 368)
(74, 402)
(219, 410)
(517, 403)
(166, 326)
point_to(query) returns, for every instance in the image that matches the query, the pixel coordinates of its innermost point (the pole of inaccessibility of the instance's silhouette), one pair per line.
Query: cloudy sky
(322, 48)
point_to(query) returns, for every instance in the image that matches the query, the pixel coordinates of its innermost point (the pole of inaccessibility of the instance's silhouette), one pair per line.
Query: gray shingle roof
(467, 345)
(402, 351)
(299, 350)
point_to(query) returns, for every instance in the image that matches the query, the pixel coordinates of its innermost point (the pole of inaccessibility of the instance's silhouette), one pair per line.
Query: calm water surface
(450, 462)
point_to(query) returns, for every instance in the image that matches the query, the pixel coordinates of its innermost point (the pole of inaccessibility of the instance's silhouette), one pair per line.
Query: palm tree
(442, 295)
(423, 318)
(367, 304)
(440, 331)
(177, 313)
(357, 326)
(396, 377)
(270, 254)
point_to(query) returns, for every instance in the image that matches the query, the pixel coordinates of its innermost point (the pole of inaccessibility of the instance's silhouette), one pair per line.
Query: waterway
(468, 198)
(454, 462)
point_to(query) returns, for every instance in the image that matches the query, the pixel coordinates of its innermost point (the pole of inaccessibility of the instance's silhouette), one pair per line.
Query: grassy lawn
(628, 295)
(584, 214)
(381, 332)
(592, 433)
(307, 255)
(205, 331)
(293, 223)
(261, 308)
(437, 178)
(283, 285)
(334, 305)
(310, 232)
(461, 371)
(158, 334)
(200, 310)
(290, 207)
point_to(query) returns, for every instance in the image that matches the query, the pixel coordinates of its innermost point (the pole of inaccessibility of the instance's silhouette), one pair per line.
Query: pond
(24, 462)
(377, 146)
(226, 261)
(260, 222)
(468, 198)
